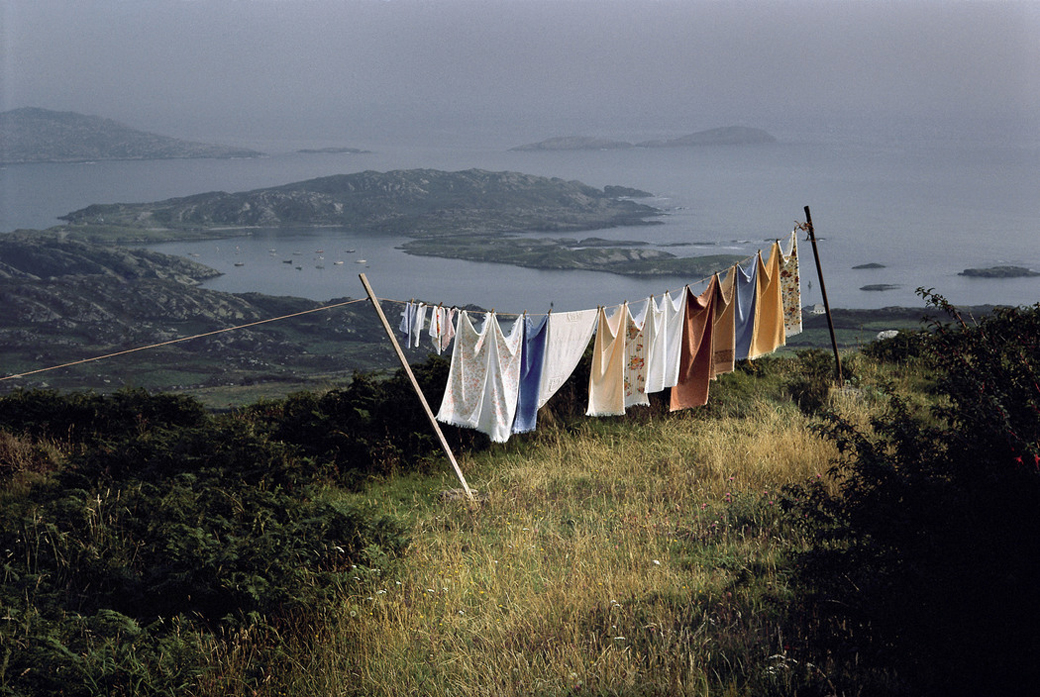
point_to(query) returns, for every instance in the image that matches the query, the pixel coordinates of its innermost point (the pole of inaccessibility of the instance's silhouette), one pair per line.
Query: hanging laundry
(663, 331)
(698, 353)
(417, 325)
(768, 333)
(568, 335)
(607, 377)
(744, 312)
(484, 377)
(442, 327)
(635, 356)
(531, 361)
(407, 320)
(723, 337)
(791, 289)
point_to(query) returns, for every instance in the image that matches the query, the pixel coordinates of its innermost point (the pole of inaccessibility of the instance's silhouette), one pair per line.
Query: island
(573, 143)
(879, 287)
(333, 151)
(726, 135)
(871, 265)
(1000, 272)
(416, 203)
(32, 134)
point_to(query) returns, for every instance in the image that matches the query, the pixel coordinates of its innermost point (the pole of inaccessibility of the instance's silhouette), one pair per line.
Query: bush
(929, 560)
(193, 526)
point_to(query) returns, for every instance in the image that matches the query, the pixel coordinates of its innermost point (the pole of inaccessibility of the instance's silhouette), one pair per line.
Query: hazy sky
(357, 70)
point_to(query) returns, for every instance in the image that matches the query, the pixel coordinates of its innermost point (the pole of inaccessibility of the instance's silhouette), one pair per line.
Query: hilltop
(32, 134)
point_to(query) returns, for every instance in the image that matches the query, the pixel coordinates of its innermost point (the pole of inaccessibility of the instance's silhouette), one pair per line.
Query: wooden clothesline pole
(823, 290)
(415, 386)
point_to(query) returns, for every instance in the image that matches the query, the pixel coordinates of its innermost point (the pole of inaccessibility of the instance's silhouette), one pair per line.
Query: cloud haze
(369, 69)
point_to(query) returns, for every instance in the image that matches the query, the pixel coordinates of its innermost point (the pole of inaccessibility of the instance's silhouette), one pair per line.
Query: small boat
(337, 263)
(319, 251)
(351, 251)
(240, 263)
(319, 266)
(360, 261)
(299, 268)
(286, 261)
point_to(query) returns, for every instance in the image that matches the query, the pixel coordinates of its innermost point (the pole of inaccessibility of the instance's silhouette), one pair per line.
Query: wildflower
(656, 563)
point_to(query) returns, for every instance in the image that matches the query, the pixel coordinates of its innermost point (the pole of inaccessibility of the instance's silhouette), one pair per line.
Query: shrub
(929, 560)
(202, 527)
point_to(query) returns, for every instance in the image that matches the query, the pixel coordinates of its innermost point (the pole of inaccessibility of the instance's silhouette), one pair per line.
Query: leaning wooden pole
(823, 290)
(415, 386)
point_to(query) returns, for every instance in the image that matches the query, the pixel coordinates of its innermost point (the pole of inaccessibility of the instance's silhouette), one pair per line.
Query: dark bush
(929, 560)
(142, 533)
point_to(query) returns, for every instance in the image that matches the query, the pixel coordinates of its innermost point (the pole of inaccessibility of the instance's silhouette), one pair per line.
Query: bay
(923, 211)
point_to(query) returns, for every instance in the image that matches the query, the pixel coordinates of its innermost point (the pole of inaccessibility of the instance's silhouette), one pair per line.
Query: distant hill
(574, 143)
(31, 134)
(727, 135)
(418, 203)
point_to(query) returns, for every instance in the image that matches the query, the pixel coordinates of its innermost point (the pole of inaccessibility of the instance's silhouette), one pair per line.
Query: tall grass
(616, 558)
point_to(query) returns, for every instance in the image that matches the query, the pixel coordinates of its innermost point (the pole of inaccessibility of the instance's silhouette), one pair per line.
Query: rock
(999, 272)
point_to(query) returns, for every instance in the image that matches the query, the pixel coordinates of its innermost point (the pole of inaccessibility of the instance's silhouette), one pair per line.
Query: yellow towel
(768, 333)
(723, 338)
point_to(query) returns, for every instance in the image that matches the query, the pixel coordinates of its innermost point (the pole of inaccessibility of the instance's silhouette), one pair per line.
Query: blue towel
(530, 373)
(744, 316)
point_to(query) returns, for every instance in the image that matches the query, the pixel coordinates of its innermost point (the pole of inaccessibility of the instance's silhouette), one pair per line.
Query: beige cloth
(791, 289)
(607, 377)
(697, 357)
(723, 337)
(768, 334)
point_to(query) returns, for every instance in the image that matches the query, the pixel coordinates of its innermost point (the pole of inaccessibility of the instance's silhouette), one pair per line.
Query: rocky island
(727, 135)
(40, 135)
(416, 203)
(1000, 272)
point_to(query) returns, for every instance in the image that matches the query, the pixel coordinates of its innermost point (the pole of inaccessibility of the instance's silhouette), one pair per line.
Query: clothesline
(176, 341)
(498, 381)
(525, 313)
(276, 319)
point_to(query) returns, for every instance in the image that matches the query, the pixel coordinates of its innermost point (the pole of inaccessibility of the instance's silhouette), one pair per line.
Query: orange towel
(697, 357)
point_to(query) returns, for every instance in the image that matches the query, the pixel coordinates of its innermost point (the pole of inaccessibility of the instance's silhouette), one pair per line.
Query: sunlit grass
(620, 558)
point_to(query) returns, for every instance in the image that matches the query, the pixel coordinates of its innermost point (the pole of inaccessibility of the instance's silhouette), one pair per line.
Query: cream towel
(568, 335)
(607, 378)
(791, 289)
(664, 342)
(635, 355)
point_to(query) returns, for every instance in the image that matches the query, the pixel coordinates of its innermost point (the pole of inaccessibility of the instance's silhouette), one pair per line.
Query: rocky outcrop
(41, 135)
(999, 272)
(36, 256)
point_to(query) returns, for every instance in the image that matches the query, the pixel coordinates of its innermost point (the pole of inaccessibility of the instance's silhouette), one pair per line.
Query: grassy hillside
(791, 537)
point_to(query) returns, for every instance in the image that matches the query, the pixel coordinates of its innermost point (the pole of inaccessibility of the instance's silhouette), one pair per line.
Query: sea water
(924, 211)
